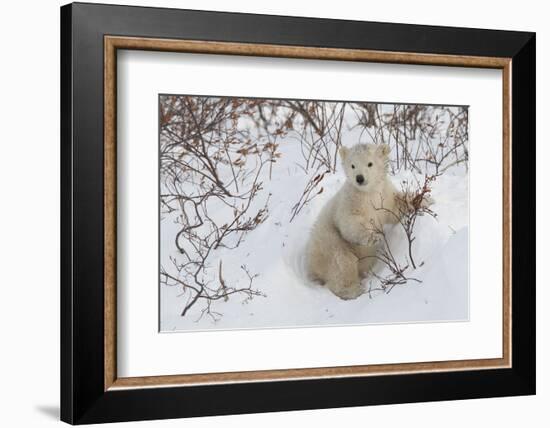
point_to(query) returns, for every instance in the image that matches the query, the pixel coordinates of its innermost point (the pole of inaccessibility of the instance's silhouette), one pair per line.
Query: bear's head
(365, 165)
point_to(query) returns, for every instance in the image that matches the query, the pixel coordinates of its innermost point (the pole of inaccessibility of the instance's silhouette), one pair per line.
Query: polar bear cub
(343, 242)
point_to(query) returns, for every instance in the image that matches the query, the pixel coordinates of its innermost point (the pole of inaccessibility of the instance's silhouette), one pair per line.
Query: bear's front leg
(373, 235)
(343, 278)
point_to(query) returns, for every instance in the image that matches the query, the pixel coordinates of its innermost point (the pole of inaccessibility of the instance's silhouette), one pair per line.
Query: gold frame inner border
(113, 43)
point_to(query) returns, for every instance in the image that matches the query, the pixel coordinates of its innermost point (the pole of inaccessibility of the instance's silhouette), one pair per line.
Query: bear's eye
(370, 164)
(352, 166)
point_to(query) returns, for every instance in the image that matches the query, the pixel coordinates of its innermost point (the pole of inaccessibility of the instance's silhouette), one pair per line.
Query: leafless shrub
(196, 288)
(308, 194)
(422, 137)
(399, 271)
(201, 140)
(317, 127)
(319, 130)
(413, 202)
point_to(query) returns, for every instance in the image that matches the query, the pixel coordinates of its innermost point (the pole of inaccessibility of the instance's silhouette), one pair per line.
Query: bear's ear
(343, 153)
(383, 149)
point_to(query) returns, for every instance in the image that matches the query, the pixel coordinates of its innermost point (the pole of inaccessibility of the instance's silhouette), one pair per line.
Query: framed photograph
(266, 213)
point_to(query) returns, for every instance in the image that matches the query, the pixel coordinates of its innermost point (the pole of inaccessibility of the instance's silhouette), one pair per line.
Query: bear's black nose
(360, 179)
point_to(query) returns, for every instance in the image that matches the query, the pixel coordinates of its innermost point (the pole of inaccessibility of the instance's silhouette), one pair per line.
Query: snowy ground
(275, 251)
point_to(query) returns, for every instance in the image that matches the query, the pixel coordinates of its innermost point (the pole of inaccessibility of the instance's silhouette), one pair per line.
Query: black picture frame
(83, 396)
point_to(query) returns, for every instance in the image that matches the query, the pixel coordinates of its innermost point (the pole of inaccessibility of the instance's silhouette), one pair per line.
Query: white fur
(342, 246)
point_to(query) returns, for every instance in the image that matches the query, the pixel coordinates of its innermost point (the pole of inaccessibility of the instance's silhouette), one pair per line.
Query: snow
(275, 252)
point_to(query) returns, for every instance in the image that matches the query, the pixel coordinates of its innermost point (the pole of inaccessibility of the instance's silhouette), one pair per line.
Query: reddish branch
(201, 141)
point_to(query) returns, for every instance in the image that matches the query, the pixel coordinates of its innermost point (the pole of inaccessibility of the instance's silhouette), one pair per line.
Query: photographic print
(278, 213)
